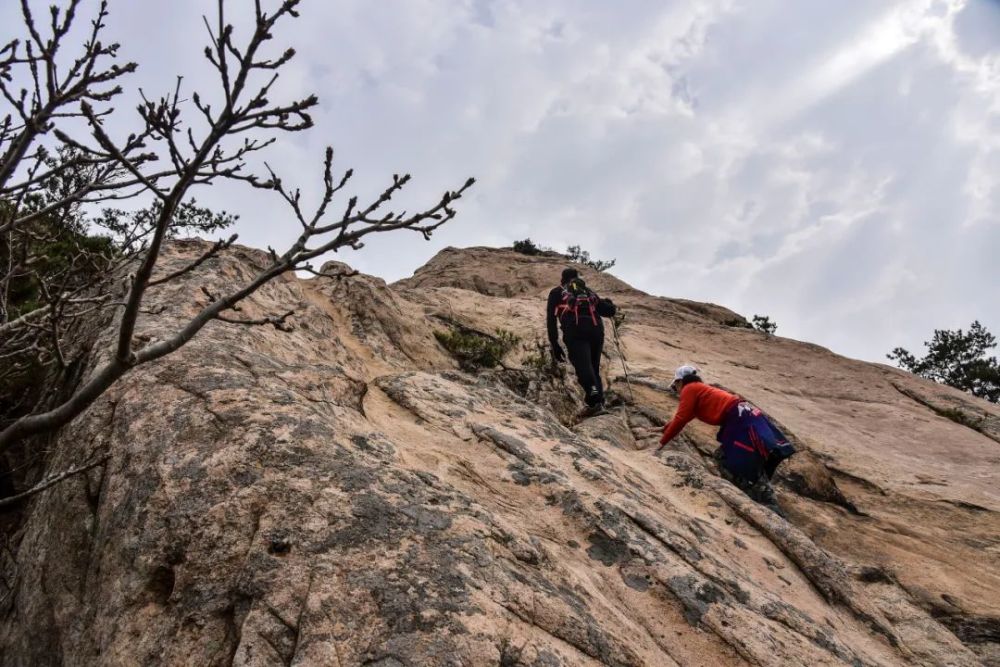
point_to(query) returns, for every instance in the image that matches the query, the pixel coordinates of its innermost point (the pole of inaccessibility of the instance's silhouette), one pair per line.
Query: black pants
(584, 349)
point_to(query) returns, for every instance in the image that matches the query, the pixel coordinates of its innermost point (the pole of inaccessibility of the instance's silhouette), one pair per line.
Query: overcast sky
(835, 165)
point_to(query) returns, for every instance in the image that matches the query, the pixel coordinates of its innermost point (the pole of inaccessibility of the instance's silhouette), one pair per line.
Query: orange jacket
(702, 401)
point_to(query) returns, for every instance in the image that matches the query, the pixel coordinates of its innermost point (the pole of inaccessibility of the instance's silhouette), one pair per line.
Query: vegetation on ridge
(958, 359)
(765, 324)
(574, 253)
(528, 247)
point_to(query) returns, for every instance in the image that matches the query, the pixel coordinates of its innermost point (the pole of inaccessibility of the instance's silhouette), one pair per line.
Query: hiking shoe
(777, 510)
(763, 494)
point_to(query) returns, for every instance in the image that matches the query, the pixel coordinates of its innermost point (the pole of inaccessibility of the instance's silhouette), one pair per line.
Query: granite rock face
(341, 494)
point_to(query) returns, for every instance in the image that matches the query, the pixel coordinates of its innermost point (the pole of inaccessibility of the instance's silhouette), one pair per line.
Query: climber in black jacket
(579, 310)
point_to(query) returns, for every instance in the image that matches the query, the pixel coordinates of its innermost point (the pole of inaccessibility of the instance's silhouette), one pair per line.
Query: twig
(51, 481)
(219, 246)
(277, 321)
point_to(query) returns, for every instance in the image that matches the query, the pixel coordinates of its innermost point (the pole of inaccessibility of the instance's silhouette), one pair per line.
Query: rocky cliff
(342, 494)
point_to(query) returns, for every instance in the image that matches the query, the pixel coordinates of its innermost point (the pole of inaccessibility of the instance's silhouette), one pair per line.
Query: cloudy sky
(835, 165)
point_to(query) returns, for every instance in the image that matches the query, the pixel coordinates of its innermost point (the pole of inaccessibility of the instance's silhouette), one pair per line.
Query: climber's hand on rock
(558, 355)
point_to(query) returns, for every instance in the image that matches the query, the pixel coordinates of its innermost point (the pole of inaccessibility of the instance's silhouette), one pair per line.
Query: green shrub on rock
(528, 247)
(475, 350)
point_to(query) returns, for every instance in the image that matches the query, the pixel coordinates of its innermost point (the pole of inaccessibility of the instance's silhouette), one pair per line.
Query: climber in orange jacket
(751, 447)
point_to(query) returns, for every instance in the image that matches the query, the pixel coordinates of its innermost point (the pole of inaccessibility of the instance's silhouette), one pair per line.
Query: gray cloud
(833, 165)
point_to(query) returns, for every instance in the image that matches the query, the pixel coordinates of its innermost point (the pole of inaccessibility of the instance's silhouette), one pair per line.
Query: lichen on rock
(341, 493)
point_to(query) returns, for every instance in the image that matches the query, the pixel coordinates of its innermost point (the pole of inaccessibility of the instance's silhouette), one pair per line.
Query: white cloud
(834, 165)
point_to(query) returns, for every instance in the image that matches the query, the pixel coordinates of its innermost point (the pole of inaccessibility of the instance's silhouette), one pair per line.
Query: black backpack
(578, 299)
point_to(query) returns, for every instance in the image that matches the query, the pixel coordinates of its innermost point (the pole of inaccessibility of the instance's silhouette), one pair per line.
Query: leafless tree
(50, 168)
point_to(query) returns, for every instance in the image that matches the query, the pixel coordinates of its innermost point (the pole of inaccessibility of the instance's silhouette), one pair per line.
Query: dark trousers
(584, 349)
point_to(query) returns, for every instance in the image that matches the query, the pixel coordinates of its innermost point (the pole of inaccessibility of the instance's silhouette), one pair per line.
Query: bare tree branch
(53, 95)
(218, 247)
(104, 168)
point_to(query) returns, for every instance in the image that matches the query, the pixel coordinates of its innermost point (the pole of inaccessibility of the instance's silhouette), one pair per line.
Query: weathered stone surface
(341, 495)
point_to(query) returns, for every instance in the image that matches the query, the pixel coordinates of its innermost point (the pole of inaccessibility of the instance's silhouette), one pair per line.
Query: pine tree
(958, 359)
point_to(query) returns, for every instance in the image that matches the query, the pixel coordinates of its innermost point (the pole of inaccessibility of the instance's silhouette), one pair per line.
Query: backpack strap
(565, 304)
(592, 300)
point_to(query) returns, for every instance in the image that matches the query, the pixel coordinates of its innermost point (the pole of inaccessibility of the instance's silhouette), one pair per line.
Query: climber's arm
(550, 318)
(684, 414)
